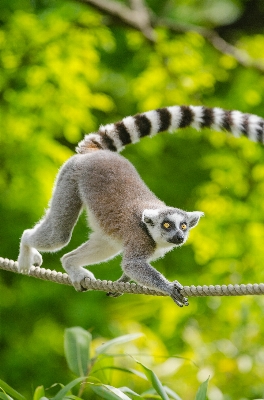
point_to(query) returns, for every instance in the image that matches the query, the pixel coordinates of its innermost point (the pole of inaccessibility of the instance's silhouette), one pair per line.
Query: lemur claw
(176, 295)
(114, 294)
(77, 276)
(28, 257)
(79, 287)
(178, 285)
(24, 271)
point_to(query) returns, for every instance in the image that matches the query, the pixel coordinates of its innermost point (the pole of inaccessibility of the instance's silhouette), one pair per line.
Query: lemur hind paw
(176, 295)
(77, 277)
(28, 257)
(114, 294)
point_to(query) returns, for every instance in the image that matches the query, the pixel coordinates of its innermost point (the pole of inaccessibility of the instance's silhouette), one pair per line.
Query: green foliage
(152, 377)
(6, 388)
(201, 394)
(76, 346)
(66, 69)
(78, 340)
(122, 339)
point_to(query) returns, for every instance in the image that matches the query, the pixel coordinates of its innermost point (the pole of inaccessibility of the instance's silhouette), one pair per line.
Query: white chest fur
(161, 250)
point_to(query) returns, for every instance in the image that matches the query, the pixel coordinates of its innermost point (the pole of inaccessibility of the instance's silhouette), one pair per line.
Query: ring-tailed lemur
(125, 216)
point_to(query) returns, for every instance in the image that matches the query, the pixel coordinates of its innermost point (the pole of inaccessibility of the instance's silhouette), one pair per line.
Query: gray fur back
(112, 190)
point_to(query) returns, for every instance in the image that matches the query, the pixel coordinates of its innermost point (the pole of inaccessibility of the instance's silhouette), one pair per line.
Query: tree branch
(139, 17)
(211, 36)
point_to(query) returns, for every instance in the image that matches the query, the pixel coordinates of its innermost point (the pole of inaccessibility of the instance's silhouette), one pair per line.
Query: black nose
(178, 238)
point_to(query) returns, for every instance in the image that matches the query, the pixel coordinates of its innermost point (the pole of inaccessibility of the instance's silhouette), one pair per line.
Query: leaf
(39, 393)
(150, 394)
(4, 396)
(155, 382)
(76, 346)
(171, 393)
(125, 389)
(128, 370)
(62, 393)
(201, 393)
(109, 392)
(71, 396)
(94, 381)
(119, 340)
(4, 386)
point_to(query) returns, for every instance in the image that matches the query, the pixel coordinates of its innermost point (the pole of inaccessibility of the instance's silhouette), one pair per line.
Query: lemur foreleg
(138, 269)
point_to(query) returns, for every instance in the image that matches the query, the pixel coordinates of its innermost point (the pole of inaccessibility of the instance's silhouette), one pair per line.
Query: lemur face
(171, 225)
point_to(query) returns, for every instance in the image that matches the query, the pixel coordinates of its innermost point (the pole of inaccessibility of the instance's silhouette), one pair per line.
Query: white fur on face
(154, 220)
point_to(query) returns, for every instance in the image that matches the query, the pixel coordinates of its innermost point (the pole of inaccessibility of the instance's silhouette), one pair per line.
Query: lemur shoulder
(124, 215)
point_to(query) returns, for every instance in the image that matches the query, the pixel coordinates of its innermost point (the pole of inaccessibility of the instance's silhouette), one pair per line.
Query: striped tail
(116, 136)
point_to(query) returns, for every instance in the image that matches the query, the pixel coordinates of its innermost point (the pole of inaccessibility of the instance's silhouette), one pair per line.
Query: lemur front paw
(176, 295)
(77, 275)
(28, 256)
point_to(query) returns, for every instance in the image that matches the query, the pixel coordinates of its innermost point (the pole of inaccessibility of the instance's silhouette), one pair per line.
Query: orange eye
(183, 226)
(166, 225)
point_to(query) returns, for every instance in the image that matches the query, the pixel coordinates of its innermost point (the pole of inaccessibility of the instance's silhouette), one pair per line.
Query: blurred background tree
(66, 68)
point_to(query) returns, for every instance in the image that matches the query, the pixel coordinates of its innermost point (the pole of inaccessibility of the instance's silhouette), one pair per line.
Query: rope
(109, 286)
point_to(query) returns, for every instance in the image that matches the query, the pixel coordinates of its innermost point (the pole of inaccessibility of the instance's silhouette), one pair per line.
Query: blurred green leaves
(77, 342)
(65, 70)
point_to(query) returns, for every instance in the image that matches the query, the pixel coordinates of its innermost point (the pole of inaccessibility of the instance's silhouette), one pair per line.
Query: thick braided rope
(106, 286)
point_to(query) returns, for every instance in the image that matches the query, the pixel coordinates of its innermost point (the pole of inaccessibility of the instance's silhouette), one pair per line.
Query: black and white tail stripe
(131, 129)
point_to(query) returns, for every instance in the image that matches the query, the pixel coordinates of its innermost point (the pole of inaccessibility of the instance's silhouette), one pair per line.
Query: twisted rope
(109, 286)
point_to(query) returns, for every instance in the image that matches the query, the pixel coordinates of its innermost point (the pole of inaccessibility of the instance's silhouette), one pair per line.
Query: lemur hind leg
(54, 230)
(97, 249)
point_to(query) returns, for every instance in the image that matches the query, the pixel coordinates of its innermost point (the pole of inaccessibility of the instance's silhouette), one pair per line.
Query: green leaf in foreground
(12, 392)
(62, 393)
(5, 396)
(119, 340)
(126, 370)
(169, 392)
(109, 392)
(39, 393)
(201, 393)
(172, 394)
(150, 394)
(155, 382)
(125, 389)
(77, 349)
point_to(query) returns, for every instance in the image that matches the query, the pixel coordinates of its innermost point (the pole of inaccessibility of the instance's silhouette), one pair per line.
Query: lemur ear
(194, 218)
(149, 215)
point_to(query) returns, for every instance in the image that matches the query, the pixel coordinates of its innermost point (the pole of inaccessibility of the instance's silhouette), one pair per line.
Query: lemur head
(170, 225)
